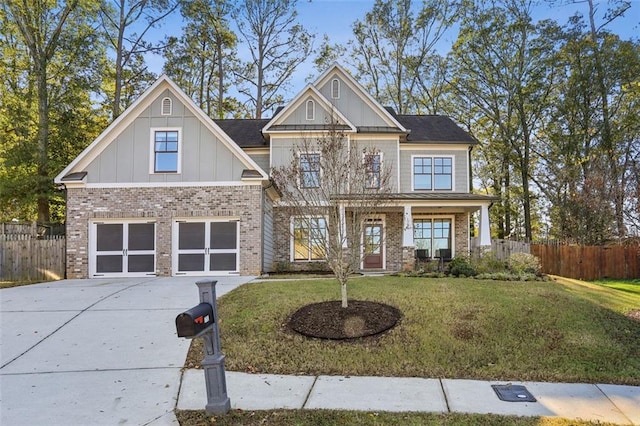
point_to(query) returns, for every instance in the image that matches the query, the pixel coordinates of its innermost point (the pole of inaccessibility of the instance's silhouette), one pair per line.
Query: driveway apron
(99, 351)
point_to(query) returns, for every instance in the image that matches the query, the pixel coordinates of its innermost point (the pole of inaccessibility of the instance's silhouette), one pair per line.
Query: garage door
(205, 247)
(122, 249)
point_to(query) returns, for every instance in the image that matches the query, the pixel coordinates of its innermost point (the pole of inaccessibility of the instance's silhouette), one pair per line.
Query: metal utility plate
(513, 393)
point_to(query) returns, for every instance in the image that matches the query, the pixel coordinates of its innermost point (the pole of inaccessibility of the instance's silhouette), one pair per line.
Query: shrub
(523, 263)
(460, 267)
(488, 263)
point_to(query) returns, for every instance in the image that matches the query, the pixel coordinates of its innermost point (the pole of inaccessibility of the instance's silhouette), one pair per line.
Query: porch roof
(425, 196)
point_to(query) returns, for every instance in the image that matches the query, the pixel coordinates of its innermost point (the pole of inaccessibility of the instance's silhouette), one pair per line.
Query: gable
(355, 102)
(124, 152)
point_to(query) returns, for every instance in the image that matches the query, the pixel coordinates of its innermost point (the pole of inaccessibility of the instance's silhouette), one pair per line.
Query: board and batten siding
(460, 166)
(352, 106)
(204, 158)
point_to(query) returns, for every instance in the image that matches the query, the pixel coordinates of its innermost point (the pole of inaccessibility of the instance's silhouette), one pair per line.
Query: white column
(407, 227)
(343, 226)
(485, 235)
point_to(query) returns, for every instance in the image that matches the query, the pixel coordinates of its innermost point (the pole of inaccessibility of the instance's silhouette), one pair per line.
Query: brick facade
(164, 205)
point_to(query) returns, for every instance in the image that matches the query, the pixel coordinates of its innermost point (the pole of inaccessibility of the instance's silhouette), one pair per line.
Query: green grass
(334, 417)
(451, 328)
(630, 286)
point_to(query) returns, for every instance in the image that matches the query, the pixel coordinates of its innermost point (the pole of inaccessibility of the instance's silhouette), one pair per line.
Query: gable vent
(335, 88)
(166, 106)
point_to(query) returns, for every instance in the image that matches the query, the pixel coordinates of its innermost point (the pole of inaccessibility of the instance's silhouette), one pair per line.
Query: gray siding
(354, 108)
(389, 151)
(460, 167)
(127, 159)
(299, 115)
(261, 160)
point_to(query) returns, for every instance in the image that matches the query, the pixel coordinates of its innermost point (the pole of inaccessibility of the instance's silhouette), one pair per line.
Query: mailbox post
(202, 321)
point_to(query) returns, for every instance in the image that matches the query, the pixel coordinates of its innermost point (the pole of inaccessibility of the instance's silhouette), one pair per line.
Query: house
(166, 190)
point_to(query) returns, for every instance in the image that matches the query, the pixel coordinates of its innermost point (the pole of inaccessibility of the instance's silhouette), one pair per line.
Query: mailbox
(195, 320)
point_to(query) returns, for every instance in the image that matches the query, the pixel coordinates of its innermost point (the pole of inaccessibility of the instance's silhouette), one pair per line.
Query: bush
(460, 267)
(523, 263)
(488, 263)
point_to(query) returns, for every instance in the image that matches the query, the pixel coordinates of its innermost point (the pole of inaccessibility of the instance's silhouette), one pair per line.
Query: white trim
(382, 219)
(93, 252)
(433, 156)
(152, 152)
(358, 88)
(175, 252)
(452, 218)
(292, 235)
(310, 103)
(134, 111)
(166, 184)
(298, 156)
(298, 100)
(169, 104)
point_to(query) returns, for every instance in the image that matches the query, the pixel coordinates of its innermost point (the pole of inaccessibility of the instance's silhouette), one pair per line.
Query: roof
(428, 196)
(434, 128)
(246, 133)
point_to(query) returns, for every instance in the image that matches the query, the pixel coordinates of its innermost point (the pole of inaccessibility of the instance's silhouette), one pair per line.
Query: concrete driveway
(94, 352)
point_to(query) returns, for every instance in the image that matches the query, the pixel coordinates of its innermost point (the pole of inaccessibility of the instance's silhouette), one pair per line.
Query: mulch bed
(634, 314)
(329, 320)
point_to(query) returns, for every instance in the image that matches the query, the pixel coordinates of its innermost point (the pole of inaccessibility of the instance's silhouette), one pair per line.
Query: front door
(206, 247)
(123, 249)
(373, 245)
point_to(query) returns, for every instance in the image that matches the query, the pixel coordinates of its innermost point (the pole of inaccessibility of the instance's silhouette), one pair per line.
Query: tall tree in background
(501, 68)
(393, 44)
(202, 61)
(126, 25)
(592, 136)
(50, 66)
(277, 44)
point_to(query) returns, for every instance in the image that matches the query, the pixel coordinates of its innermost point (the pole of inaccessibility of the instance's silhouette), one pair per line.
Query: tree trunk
(43, 141)
(343, 292)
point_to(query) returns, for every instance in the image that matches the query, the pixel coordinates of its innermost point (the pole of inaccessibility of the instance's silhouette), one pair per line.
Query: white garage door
(122, 249)
(205, 247)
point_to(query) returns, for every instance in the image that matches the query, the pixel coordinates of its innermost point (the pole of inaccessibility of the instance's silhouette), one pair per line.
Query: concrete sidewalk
(94, 352)
(596, 403)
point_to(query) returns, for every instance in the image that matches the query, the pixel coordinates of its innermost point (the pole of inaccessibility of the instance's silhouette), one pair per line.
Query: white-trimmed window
(309, 169)
(311, 110)
(373, 168)
(432, 173)
(308, 237)
(433, 235)
(167, 106)
(335, 88)
(165, 150)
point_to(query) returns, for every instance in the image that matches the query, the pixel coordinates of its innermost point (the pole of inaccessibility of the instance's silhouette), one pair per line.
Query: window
(372, 165)
(165, 151)
(335, 88)
(311, 110)
(308, 238)
(309, 170)
(432, 173)
(434, 236)
(166, 106)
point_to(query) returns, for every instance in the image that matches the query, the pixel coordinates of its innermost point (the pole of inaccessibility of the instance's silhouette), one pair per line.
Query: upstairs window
(166, 144)
(335, 88)
(372, 164)
(166, 106)
(432, 173)
(309, 234)
(311, 110)
(309, 170)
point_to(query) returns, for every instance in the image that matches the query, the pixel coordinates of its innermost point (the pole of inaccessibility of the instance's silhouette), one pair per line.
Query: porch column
(343, 226)
(485, 235)
(407, 228)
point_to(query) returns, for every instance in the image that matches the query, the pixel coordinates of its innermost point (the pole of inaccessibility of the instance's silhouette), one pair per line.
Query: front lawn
(451, 328)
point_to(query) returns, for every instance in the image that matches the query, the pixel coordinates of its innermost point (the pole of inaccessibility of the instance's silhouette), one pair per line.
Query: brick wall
(164, 205)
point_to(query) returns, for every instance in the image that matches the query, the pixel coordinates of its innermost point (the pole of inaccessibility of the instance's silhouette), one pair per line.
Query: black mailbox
(195, 320)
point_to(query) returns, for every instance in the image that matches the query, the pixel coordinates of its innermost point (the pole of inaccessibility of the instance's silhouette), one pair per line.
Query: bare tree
(331, 188)
(277, 43)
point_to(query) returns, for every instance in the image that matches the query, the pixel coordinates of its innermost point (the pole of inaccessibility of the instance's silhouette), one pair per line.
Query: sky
(336, 18)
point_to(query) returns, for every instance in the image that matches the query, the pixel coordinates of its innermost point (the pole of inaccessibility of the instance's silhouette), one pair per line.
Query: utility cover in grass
(513, 393)
(329, 320)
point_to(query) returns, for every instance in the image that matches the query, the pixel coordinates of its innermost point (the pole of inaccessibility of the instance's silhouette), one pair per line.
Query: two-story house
(166, 190)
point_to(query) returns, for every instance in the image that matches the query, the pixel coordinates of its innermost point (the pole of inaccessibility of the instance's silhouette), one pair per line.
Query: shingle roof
(246, 133)
(434, 128)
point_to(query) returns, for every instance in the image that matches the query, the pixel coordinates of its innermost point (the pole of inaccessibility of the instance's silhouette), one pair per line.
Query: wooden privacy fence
(25, 258)
(502, 249)
(589, 262)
